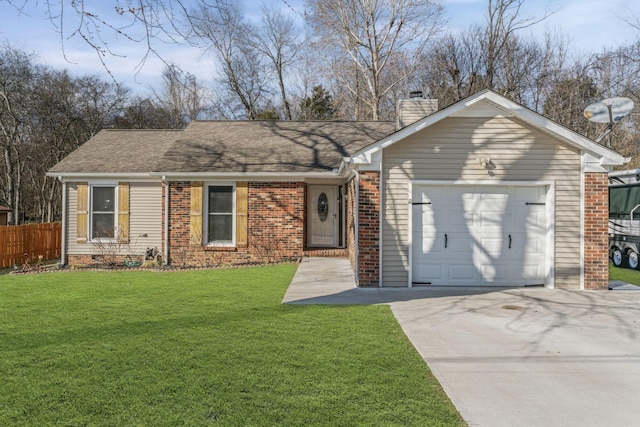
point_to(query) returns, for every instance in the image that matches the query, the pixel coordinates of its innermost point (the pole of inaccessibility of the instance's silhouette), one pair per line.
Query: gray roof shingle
(226, 146)
(118, 151)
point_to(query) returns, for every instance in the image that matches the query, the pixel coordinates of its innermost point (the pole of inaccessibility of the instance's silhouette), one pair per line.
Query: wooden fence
(31, 239)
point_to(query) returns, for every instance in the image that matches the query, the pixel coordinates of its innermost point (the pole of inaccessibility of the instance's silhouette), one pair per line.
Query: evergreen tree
(318, 106)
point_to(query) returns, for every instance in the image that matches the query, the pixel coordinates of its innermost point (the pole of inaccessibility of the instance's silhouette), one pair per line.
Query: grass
(624, 275)
(203, 348)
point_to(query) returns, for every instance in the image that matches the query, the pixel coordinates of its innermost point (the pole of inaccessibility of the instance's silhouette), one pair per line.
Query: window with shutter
(123, 212)
(103, 211)
(242, 208)
(82, 212)
(195, 223)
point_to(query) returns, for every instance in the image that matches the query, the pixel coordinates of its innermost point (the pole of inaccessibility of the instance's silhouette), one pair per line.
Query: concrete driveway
(510, 357)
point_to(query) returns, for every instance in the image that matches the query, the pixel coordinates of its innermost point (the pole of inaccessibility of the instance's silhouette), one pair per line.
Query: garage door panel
(489, 246)
(532, 272)
(494, 272)
(462, 272)
(489, 221)
(456, 219)
(425, 244)
(424, 273)
(479, 235)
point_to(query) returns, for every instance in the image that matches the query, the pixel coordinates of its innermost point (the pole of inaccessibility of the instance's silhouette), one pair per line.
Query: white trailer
(624, 218)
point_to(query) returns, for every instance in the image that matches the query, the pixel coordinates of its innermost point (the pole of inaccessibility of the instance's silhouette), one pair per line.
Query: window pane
(103, 225)
(103, 199)
(622, 200)
(220, 199)
(220, 228)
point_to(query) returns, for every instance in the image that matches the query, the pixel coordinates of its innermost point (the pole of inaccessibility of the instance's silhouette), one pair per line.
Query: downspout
(356, 221)
(63, 246)
(166, 221)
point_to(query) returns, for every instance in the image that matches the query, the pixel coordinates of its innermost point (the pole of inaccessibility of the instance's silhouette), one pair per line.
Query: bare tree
(149, 23)
(180, 95)
(568, 95)
(363, 38)
(504, 20)
(243, 73)
(456, 67)
(66, 111)
(17, 75)
(44, 115)
(277, 39)
(145, 113)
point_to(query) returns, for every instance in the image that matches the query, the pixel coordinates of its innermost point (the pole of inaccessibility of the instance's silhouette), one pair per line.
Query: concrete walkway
(516, 356)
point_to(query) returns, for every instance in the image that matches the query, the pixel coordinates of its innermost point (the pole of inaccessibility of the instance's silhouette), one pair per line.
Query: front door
(322, 214)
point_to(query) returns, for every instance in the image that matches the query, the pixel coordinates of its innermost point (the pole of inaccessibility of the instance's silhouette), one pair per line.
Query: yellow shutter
(242, 202)
(82, 212)
(123, 212)
(195, 226)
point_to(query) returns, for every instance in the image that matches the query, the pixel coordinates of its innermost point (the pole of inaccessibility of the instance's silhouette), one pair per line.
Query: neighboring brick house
(484, 192)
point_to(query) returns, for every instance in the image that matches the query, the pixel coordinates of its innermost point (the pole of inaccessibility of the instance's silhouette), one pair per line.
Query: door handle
(509, 241)
(445, 240)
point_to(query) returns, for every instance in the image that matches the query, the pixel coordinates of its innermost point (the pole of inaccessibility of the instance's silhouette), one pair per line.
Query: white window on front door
(322, 212)
(220, 210)
(103, 211)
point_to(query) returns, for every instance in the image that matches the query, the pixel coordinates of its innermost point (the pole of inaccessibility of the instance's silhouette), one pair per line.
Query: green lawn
(203, 348)
(624, 275)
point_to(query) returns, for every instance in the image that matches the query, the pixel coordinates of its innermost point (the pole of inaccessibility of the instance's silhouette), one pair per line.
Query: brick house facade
(275, 226)
(295, 189)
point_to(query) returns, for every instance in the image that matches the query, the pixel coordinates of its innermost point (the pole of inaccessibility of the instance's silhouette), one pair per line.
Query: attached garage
(489, 235)
(484, 192)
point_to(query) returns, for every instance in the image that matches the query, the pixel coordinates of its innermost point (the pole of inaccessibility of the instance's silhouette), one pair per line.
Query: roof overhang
(191, 176)
(606, 156)
(75, 176)
(247, 176)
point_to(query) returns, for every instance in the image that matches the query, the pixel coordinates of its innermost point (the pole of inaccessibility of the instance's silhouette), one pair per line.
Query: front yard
(200, 348)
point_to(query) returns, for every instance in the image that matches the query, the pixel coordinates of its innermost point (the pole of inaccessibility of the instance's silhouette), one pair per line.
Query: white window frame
(103, 184)
(205, 214)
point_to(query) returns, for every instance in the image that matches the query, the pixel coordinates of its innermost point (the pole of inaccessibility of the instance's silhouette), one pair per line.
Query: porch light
(484, 162)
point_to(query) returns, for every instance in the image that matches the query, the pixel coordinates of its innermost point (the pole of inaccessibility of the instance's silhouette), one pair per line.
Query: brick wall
(276, 218)
(596, 238)
(275, 226)
(369, 229)
(80, 260)
(179, 213)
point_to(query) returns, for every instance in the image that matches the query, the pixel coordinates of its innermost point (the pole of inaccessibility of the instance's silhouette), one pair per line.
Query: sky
(588, 25)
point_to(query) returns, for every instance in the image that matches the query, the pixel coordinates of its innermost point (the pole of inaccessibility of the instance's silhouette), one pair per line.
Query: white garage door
(478, 235)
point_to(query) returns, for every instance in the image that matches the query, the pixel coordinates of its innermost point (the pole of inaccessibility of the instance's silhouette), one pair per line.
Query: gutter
(63, 246)
(356, 222)
(247, 176)
(90, 175)
(165, 257)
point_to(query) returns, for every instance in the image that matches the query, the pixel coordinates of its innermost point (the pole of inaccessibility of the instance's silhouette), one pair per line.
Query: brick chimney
(413, 109)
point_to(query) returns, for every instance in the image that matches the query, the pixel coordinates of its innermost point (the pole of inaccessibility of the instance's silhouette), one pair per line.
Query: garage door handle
(445, 240)
(509, 241)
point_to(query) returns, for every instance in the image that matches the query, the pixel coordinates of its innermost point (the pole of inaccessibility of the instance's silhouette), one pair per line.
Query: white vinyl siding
(145, 219)
(449, 151)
